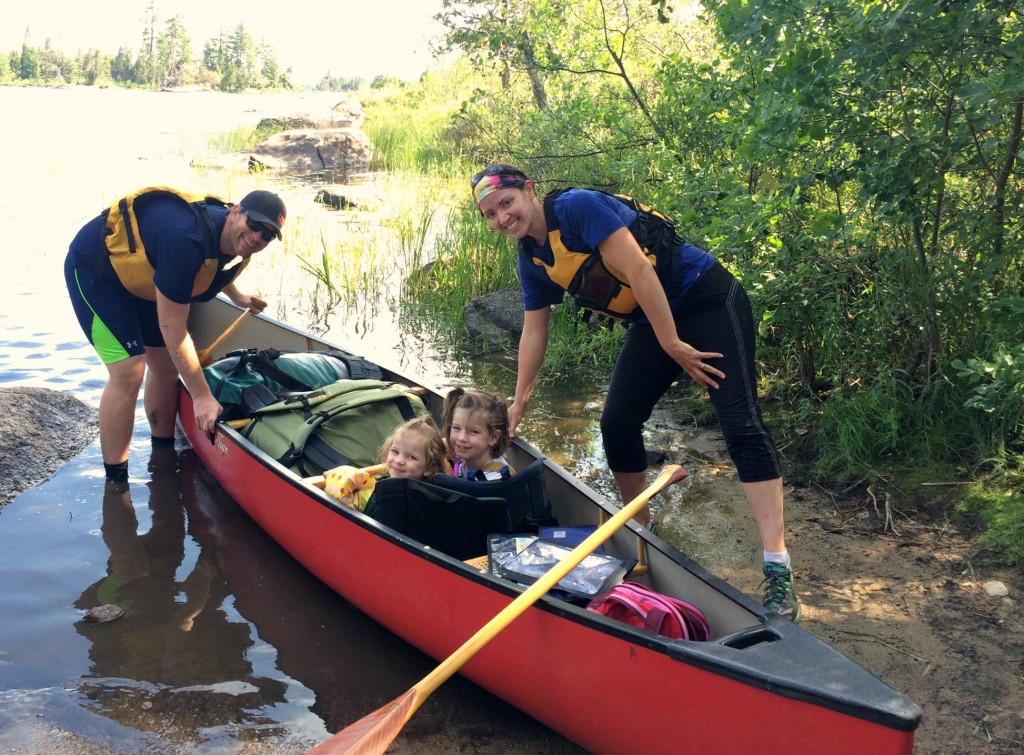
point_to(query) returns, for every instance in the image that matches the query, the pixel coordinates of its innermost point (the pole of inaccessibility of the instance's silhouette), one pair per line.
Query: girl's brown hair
(493, 409)
(434, 452)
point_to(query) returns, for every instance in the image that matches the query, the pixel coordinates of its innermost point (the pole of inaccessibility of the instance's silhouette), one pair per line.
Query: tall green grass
(450, 255)
(1000, 513)
(245, 136)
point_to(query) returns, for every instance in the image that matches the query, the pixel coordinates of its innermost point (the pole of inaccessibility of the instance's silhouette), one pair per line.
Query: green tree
(904, 125)
(214, 53)
(6, 72)
(331, 83)
(497, 32)
(174, 55)
(145, 68)
(121, 67)
(55, 66)
(232, 61)
(576, 77)
(94, 67)
(270, 70)
(28, 65)
(244, 71)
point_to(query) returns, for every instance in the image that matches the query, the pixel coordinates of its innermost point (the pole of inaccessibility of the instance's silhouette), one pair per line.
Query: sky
(346, 37)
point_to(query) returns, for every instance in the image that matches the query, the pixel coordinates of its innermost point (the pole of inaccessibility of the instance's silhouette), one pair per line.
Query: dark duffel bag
(280, 372)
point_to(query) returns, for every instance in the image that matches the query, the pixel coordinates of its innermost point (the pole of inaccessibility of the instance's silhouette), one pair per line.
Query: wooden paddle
(206, 355)
(373, 733)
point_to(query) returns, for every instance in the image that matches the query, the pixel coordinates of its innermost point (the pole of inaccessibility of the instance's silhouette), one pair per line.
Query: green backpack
(345, 422)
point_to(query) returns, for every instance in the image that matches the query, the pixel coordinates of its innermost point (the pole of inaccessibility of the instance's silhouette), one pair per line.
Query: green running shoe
(779, 596)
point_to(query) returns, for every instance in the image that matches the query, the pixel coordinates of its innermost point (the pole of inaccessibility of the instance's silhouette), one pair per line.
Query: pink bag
(641, 607)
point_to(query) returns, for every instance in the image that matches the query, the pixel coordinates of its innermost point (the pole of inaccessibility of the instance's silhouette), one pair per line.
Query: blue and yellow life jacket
(594, 284)
(123, 240)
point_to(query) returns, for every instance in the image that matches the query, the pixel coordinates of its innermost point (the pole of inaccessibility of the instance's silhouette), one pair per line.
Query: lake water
(227, 645)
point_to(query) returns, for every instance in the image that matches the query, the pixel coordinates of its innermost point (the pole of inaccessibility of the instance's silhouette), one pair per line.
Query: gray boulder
(339, 153)
(495, 320)
(40, 430)
(329, 143)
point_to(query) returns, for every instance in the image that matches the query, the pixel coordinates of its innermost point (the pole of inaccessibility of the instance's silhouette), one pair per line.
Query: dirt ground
(897, 591)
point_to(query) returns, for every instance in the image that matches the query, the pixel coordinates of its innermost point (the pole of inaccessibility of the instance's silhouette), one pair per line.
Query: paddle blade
(371, 734)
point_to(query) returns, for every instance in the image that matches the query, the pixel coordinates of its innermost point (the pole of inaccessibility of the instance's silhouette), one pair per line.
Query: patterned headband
(489, 182)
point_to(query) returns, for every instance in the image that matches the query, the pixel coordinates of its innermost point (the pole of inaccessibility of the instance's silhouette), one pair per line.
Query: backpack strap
(257, 396)
(358, 367)
(262, 363)
(320, 455)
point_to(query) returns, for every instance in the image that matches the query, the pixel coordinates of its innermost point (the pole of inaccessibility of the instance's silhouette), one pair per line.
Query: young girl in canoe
(414, 450)
(477, 434)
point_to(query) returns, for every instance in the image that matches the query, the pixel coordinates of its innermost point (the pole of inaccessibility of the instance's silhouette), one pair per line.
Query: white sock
(777, 558)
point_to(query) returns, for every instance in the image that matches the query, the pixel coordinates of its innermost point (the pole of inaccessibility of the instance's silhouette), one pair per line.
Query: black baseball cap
(265, 207)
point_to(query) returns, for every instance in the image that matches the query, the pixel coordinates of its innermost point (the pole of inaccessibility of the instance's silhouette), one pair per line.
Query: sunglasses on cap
(268, 234)
(495, 170)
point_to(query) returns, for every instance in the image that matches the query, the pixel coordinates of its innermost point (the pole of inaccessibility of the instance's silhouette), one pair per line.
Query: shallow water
(226, 641)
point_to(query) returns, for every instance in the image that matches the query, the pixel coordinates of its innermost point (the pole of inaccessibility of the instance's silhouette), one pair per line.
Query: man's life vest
(123, 240)
(598, 286)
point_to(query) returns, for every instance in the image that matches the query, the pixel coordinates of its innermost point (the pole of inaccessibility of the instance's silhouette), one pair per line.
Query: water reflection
(346, 660)
(341, 663)
(178, 645)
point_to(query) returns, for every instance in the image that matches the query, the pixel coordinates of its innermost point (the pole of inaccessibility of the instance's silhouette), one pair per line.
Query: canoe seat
(449, 521)
(480, 563)
(527, 497)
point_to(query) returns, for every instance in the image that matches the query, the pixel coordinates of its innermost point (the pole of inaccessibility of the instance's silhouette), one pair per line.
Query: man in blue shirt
(133, 307)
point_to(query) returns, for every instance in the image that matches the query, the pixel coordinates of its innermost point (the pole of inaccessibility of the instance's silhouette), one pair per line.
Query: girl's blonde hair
(493, 409)
(434, 452)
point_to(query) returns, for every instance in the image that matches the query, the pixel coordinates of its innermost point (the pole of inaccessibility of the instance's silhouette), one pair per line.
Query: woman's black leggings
(715, 316)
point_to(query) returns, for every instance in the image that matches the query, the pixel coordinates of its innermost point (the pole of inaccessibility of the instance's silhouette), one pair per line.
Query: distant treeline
(231, 62)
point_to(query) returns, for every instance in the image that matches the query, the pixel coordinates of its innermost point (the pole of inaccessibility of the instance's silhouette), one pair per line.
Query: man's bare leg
(117, 408)
(161, 396)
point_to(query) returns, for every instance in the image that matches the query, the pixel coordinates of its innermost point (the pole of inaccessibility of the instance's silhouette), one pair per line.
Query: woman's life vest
(123, 240)
(598, 286)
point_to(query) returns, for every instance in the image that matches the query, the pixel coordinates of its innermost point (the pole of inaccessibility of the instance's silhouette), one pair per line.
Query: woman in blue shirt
(686, 313)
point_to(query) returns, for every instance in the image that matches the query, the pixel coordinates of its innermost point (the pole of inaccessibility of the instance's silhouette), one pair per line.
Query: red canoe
(759, 684)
